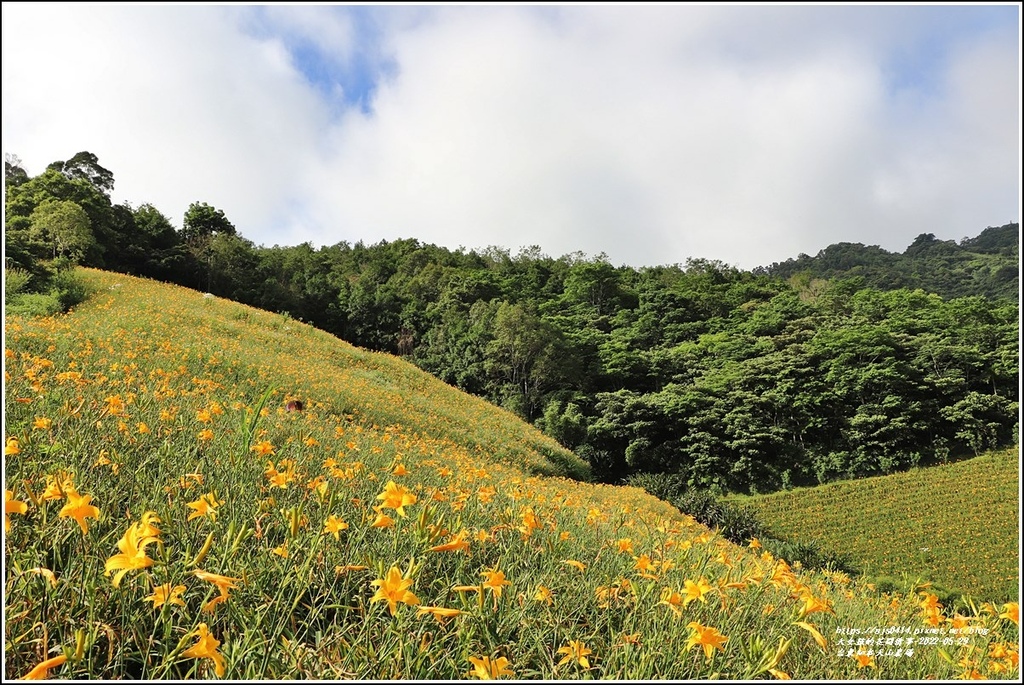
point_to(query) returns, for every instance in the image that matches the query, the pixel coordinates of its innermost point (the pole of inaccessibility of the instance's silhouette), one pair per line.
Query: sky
(649, 133)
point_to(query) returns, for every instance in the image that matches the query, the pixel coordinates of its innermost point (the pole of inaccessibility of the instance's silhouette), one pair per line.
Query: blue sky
(651, 133)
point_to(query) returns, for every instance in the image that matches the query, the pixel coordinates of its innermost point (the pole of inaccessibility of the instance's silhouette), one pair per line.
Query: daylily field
(957, 524)
(166, 517)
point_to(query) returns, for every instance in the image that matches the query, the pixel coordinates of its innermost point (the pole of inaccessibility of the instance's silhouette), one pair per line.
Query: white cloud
(747, 134)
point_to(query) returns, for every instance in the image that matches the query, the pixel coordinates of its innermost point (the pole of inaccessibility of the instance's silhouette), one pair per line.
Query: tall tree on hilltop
(86, 166)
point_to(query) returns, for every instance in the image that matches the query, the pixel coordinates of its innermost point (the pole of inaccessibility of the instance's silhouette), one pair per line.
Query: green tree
(203, 221)
(86, 166)
(64, 227)
(14, 173)
(525, 354)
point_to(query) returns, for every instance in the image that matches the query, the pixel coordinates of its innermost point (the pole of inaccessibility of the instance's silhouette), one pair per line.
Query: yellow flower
(57, 486)
(708, 638)
(933, 617)
(115, 405)
(441, 614)
(146, 527)
(133, 553)
(400, 470)
(644, 564)
(281, 550)
(393, 588)
(813, 604)
(42, 423)
(1011, 612)
(575, 564)
(223, 584)
(575, 651)
(459, 543)
(530, 523)
(863, 660)
(485, 669)
(333, 525)
(930, 602)
(696, 590)
(203, 416)
(544, 595)
(818, 637)
(382, 521)
(263, 448)
(143, 428)
(754, 543)
(206, 435)
(165, 594)
(204, 506)
(396, 497)
(12, 506)
(40, 670)
(280, 479)
(495, 581)
(625, 545)
(11, 447)
(78, 508)
(206, 648)
(673, 600)
(631, 638)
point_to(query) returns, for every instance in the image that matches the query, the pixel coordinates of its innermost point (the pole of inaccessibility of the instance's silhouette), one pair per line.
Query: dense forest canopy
(851, 363)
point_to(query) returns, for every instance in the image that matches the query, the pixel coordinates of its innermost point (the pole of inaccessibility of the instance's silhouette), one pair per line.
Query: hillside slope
(956, 524)
(167, 518)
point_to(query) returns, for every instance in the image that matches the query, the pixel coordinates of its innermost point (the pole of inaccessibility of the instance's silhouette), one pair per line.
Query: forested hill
(987, 265)
(740, 381)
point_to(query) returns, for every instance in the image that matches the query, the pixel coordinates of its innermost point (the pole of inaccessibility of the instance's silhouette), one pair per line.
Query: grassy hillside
(167, 518)
(957, 524)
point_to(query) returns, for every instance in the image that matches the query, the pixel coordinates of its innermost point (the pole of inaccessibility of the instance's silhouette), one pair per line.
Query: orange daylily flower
(708, 638)
(223, 583)
(1011, 612)
(495, 581)
(486, 669)
(333, 525)
(696, 590)
(12, 506)
(396, 497)
(206, 648)
(132, 555)
(441, 614)
(206, 506)
(39, 672)
(165, 594)
(673, 600)
(394, 589)
(382, 521)
(575, 651)
(79, 509)
(263, 448)
(818, 637)
(459, 543)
